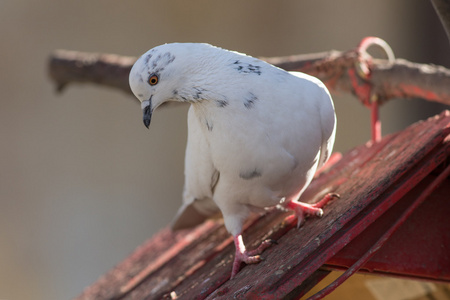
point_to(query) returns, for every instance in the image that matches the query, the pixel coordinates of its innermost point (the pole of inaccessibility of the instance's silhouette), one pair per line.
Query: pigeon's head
(170, 72)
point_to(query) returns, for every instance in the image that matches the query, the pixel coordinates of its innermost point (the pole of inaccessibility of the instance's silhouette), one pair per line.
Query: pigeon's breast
(266, 141)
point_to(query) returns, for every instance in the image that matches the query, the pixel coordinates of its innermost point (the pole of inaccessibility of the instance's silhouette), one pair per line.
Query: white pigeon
(256, 133)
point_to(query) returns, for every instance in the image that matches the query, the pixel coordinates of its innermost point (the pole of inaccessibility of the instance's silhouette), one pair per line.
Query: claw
(300, 219)
(319, 213)
(301, 208)
(248, 257)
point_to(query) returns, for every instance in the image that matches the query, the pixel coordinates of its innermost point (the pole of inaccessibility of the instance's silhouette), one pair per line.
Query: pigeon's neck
(206, 85)
(219, 77)
(203, 94)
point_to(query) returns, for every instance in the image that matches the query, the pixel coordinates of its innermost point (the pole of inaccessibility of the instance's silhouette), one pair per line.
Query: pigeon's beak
(147, 111)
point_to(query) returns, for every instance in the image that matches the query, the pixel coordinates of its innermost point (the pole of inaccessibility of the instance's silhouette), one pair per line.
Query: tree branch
(83, 67)
(398, 79)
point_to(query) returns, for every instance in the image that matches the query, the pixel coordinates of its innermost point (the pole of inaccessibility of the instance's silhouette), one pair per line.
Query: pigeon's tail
(193, 213)
(187, 217)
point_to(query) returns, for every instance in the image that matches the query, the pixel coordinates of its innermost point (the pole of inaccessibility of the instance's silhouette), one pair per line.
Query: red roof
(379, 184)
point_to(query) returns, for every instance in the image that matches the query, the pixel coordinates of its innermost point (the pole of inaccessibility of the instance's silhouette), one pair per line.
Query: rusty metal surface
(196, 264)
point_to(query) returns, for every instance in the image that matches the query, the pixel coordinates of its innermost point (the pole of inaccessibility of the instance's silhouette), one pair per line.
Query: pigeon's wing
(324, 103)
(328, 126)
(200, 179)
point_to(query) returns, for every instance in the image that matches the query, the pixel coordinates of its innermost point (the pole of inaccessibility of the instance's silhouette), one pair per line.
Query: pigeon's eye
(153, 79)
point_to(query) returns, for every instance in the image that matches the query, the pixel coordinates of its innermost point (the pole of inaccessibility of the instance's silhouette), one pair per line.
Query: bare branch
(405, 79)
(83, 67)
(400, 79)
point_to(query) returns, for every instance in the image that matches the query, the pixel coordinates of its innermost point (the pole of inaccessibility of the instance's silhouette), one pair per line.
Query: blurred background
(83, 182)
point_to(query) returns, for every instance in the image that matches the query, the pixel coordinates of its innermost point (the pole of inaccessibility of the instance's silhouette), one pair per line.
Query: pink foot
(248, 257)
(301, 209)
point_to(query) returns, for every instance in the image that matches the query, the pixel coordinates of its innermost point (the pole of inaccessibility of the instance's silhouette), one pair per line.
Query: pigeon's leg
(301, 209)
(248, 257)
